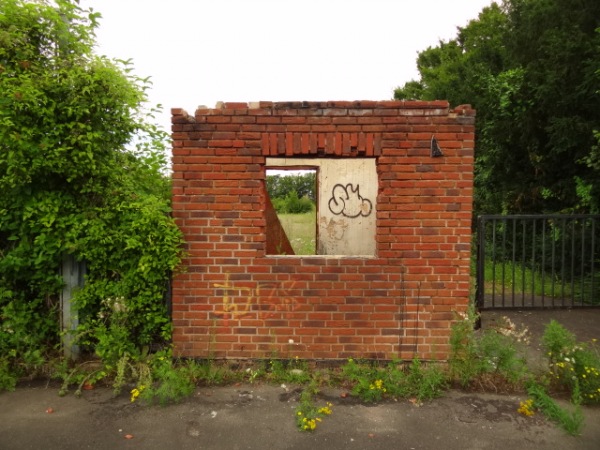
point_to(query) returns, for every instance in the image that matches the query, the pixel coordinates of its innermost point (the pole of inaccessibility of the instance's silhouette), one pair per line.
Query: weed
(209, 373)
(425, 382)
(367, 379)
(373, 383)
(557, 338)
(172, 384)
(494, 351)
(87, 373)
(308, 415)
(572, 364)
(571, 422)
(288, 371)
(253, 374)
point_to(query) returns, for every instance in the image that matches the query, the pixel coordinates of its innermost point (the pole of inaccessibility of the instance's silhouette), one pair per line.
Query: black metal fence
(538, 261)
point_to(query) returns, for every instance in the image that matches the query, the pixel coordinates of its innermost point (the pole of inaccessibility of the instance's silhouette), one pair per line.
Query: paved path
(262, 417)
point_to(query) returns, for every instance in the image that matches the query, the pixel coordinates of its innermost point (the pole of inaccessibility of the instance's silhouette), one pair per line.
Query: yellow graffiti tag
(277, 297)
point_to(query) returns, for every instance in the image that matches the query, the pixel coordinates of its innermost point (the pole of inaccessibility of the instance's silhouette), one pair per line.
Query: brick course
(234, 301)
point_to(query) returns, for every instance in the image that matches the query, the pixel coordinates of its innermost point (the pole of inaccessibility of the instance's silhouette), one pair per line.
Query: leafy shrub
(296, 205)
(279, 205)
(572, 364)
(81, 173)
(22, 349)
(292, 204)
(491, 352)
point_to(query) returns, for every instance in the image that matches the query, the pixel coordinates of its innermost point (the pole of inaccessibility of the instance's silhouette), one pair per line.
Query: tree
(81, 173)
(528, 67)
(556, 44)
(457, 70)
(303, 184)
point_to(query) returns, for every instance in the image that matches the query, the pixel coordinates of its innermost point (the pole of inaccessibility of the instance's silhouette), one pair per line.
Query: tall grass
(515, 278)
(508, 278)
(301, 230)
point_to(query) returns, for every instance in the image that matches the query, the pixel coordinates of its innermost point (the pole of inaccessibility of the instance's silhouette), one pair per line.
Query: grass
(569, 420)
(301, 230)
(508, 279)
(517, 279)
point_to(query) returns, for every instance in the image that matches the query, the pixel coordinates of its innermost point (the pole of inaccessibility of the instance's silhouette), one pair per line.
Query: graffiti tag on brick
(269, 298)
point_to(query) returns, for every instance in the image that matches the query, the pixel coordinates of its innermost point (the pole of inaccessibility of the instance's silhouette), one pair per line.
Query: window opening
(291, 192)
(321, 206)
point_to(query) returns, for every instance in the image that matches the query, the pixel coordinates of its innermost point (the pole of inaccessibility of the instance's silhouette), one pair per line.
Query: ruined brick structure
(396, 299)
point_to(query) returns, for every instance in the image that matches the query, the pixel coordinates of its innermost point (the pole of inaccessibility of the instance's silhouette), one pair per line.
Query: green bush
(295, 205)
(81, 173)
(292, 204)
(572, 364)
(490, 352)
(279, 205)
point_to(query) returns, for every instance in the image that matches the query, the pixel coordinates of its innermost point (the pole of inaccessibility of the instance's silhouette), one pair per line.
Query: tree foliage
(82, 174)
(303, 184)
(292, 193)
(530, 68)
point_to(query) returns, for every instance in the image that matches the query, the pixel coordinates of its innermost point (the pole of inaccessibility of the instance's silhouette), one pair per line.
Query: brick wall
(235, 301)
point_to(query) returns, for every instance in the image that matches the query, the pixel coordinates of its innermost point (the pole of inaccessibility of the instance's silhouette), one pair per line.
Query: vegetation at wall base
(573, 365)
(492, 358)
(157, 378)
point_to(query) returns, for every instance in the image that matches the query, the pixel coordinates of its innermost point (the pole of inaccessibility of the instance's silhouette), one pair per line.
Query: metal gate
(538, 261)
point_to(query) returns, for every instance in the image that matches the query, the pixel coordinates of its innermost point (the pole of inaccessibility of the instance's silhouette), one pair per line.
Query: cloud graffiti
(347, 201)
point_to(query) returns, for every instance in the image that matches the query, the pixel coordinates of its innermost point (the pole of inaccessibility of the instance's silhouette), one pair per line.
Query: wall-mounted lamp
(436, 151)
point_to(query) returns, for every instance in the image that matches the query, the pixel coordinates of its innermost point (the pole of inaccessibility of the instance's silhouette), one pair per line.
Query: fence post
(480, 264)
(73, 272)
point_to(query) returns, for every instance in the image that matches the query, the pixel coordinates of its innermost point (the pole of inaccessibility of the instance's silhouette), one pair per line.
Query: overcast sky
(198, 52)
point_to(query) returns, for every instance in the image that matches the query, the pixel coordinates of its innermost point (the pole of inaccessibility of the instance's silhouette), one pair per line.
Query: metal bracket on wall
(436, 151)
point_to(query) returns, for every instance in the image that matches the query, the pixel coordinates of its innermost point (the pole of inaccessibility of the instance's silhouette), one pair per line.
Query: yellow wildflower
(135, 393)
(526, 408)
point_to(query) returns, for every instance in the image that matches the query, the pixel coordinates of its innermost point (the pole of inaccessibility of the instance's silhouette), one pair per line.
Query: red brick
(331, 308)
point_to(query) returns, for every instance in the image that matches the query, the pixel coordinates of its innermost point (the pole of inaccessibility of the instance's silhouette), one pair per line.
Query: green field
(509, 278)
(301, 230)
